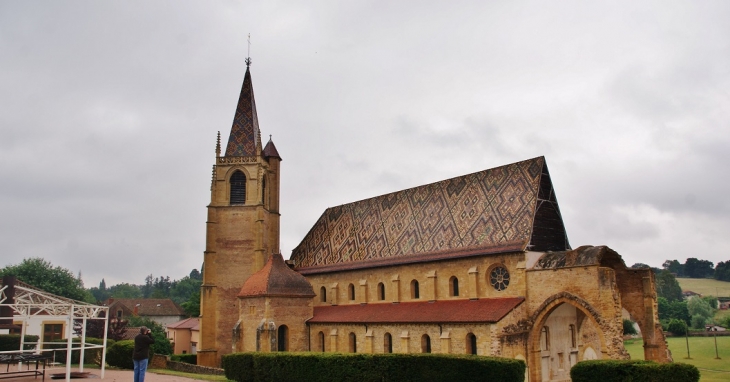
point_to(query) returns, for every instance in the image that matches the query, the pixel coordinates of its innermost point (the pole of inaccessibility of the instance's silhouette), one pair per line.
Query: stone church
(476, 264)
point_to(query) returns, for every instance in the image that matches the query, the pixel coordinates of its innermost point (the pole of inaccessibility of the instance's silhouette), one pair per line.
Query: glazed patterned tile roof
(245, 138)
(276, 279)
(442, 311)
(507, 208)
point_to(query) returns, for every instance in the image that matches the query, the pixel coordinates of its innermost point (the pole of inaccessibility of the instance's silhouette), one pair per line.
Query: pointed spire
(245, 137)
(218, 145)
(270, 150)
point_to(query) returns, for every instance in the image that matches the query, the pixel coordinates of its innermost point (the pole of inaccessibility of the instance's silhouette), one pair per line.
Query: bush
(629, 327)
(677, 327)
(120, 354)
(89, 354)
(11, 342)
(370, 367)
(636, 371)
(187, 358)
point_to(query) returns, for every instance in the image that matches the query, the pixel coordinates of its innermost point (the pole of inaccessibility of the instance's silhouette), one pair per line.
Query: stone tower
(242, 230)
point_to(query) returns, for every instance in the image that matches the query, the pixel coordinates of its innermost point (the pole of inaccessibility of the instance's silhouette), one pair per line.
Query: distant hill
(705, 287)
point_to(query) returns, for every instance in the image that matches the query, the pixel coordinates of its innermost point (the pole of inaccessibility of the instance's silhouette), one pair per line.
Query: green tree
(183, 289)
(629, 327)
(125, 290)
(192, 306)
(698, 269)
(43, 275)
(673, 310)
(162, 344)
(722, 271)
(101, 293)
(667, 286)
(677, 327)
(673, 266)
(699, 307)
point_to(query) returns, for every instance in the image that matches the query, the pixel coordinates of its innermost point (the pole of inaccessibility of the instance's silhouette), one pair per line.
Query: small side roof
(188, 323)
(276, 279)
(444, 311)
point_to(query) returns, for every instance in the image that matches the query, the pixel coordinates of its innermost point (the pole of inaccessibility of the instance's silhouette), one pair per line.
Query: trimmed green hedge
(120, 354)
(11, 342)
(633, 371)
(187, 358)
(89, 354)
(245, 367)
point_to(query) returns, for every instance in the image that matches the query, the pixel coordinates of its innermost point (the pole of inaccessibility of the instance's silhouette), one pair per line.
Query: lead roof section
(507, 208)
(245, 138)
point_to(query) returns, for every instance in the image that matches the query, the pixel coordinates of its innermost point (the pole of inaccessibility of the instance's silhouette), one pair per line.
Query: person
(141, 353)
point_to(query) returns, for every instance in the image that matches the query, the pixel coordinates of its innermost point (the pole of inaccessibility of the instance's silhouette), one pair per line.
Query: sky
(109, 113)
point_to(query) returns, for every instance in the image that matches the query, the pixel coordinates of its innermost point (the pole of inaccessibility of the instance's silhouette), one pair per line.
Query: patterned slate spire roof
(270, 150)
(245, 138)
(507, 208)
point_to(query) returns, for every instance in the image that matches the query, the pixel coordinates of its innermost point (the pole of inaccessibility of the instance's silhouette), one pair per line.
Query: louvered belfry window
(238, 188)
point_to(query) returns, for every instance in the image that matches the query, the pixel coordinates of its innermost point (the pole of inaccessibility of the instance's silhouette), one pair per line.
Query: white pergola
(26, 302)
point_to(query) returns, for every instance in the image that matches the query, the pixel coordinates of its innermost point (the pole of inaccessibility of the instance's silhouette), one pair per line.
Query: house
(687, 294)
(160, 310)
(184, 335)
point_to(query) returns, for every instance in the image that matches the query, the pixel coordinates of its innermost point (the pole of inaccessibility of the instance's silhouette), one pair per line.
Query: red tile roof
(276, 279)
(271, 151)
(188, 323)
(454, 311)
(147, 306)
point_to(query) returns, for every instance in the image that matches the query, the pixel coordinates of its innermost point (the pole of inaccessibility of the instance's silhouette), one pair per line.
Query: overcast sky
(109, 112)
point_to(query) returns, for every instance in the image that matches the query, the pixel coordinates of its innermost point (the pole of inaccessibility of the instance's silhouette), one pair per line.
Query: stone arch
(540, 318)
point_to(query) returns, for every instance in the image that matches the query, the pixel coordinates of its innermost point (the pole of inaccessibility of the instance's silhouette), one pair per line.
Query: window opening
(387, 343)
(414, 290)
(454, 286)
(323, 294)
(353, 343)
(425, 344)
(351, 292)
(381, 291)
(321, 341)
(238, 188)
(545, 338)
(283, 338)
(471, 344)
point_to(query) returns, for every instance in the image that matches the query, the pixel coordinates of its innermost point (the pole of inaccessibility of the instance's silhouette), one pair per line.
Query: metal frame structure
(26, 301)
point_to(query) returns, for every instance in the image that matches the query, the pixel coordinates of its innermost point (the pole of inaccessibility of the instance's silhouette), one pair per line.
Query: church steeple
(245, 138)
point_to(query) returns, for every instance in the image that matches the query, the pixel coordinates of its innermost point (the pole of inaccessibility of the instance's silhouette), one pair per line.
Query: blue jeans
(140, 367)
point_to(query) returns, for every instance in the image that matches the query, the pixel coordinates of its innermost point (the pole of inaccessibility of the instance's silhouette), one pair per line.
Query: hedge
(254, 367)
(11, 342)
(633, 371)
(187, 358)
(89, 354)
(120, 354)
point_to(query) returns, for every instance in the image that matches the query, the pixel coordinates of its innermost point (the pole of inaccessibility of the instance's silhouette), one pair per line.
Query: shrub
(120, 354)
(11, 342)
(677, 327)
(370, 367)
(187, 358)
(89, 354)
(629, 327)
(637, 371)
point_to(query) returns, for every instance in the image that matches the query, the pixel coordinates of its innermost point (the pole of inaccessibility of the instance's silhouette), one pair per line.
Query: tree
(673, 310)
(183, 289)
(667, 286)
(43, 275)
(192, 306)
(698, 269)
(101, 294)
(722, 271)
(629, 327)
(673, 266)
(162, 344)
(125, 290)
(677, 327)
(699, 307)
(95, 328)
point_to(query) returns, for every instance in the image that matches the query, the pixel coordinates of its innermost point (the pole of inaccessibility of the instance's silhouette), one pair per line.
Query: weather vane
(248, 59)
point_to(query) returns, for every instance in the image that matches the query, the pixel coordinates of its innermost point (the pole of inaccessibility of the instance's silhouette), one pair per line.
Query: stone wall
(190, 368)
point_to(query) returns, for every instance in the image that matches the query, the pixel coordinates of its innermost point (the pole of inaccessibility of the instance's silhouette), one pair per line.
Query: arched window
(353, 343)
(453, 286)
(238, 188)
(573, 342)
(471, 344)
(283, 338)
(545, 338)
(381, 291)
(425, 344)
(387, 343)
(323, 294)
(264, 199)
(351, 292)
(320, 338)
(414, 290)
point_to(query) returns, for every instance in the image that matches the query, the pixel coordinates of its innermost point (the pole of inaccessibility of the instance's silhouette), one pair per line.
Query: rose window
(499, 278)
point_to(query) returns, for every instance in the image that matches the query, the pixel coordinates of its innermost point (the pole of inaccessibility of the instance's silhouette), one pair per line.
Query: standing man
(141, 352)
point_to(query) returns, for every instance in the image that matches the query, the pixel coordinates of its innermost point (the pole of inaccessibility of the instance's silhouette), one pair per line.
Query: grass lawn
(706, 287)
(702, 350)
(200, 377)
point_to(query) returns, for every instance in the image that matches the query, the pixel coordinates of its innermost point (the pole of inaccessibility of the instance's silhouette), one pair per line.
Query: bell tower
(242, 230)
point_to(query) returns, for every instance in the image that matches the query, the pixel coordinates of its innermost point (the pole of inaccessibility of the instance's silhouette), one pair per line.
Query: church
(476, 264)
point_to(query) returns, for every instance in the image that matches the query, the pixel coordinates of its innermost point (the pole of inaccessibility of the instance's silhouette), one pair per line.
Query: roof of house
(441, 311)
(276, 279)
(245, 138)
(188, 323)
(507, 208)
(148, 306)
